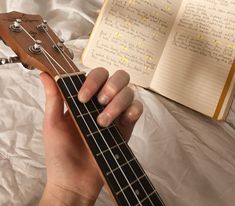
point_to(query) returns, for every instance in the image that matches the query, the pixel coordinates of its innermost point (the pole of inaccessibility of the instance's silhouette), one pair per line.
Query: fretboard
(124, 175)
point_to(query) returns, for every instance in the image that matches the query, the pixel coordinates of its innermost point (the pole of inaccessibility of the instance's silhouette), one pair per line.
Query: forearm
(60, 197)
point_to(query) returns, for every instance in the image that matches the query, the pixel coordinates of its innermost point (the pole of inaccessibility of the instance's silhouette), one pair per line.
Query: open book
(181, 49)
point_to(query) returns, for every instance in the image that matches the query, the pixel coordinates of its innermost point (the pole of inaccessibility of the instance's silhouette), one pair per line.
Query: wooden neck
(121, 170)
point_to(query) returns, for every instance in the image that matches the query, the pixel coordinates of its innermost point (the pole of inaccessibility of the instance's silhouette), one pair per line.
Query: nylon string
(154, 190)
(92, 118)
(74, 69)
(47, 56)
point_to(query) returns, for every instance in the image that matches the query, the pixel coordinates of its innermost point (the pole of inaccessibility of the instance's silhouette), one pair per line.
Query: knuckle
(101, 70)
(123, 74)
(128, 92)
(114, 110)
(138, 108)
(111, 88)
(135, 111)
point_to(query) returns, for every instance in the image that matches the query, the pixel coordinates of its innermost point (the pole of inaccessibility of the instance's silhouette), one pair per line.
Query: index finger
(95, 79)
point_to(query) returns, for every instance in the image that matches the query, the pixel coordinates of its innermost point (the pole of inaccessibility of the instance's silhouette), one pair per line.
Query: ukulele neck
(121, 170)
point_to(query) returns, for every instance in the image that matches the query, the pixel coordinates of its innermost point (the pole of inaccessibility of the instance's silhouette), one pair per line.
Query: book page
(198, 55)
(131, 36)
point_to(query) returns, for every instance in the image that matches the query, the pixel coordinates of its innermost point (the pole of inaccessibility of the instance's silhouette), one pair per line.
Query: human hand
(72, 174)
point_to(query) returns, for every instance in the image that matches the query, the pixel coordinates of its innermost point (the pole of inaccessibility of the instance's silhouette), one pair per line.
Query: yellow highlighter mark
(125, 48)
(231, 46)
(130, 2)
(216, 42)
(124, 60)
(118, 35)
(168, 8)
(200, 37)
(148, 58)
(144, 18)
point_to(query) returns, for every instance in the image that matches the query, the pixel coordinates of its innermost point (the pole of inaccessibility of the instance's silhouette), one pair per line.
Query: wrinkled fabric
(189, 157)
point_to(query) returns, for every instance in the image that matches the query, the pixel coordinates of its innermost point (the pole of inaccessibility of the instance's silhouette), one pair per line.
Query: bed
(189, 157)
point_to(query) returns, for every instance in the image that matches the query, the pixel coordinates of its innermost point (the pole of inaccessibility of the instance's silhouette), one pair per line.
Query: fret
(94, 113)
(135, 166)
(111, 137)
(122, 166)
(104, 133)
(139, 190)
(102, 144)
(93, 126)
(131, 176)
(131, 196)
(74, 101)
(146, 201)
(77, 107)
(111, 148)
(118, 155)
(155, 199)
(73, 96)
(73, 83)
(101, 130)
(96, 103)
(122, 200)
(144, 175)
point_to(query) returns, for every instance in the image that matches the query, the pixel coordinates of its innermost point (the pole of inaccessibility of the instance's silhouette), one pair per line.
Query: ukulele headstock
(35, 44)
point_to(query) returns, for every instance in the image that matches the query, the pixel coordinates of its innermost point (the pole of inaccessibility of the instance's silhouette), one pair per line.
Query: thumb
(54, 108)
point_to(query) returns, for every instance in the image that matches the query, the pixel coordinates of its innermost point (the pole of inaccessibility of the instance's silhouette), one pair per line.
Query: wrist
(55, 195)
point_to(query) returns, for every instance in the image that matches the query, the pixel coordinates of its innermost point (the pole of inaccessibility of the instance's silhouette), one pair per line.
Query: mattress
(189, 157)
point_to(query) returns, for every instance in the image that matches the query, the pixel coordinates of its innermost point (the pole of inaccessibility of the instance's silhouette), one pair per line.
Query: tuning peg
(26, 66)
(10, 60)
(16, 26)
(59, 45)
(36, 48)
(13, 60)
(3, 61)
(43, 26)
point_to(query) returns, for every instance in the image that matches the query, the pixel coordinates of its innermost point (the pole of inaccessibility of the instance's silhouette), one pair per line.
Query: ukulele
(37, 46)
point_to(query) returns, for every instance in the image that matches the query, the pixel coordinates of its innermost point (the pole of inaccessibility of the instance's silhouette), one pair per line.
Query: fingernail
(84, 96)
(104, 119)
(103, 99)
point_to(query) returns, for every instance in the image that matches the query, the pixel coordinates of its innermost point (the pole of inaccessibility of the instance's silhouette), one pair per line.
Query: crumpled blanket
(189, 157)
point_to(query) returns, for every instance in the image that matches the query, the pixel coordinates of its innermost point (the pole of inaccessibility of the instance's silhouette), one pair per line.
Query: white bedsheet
(189, 157)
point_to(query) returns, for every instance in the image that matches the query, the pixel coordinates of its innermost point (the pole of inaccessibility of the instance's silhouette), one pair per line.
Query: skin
(72, 174)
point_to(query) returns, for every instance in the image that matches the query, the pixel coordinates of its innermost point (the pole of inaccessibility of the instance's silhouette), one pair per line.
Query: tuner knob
(17, 23)
(3, 61)
(16, 26)
(59, 45)
(36, 48)
(43, 26)
(26, 66)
